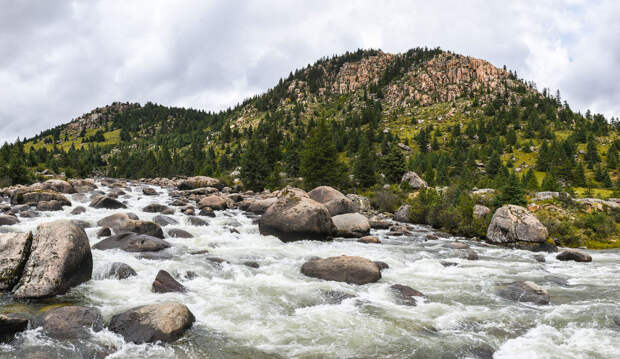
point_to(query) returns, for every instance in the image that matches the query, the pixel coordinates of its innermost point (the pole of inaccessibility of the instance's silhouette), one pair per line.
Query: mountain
(356, 121)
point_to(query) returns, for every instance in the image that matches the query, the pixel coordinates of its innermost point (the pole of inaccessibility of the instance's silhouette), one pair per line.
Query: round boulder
(351, 225)
(413, 180)
(512, 223)
(335, 202)
(525, 291)
(120, 270)
(349, 269)
(574, 255)
(132, 242)
(15, 249)
(71, 322)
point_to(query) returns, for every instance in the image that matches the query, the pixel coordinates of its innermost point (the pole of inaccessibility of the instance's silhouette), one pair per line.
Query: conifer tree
(579, 176)
(254, 167)
(393, 164)
(364, 167)
(493, 166)
(512, 192)
(319, 163)
(591, 156)
(529, 180)
(549, 183)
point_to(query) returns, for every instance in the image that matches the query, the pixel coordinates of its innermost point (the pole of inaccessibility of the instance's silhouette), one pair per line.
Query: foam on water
(245, 312)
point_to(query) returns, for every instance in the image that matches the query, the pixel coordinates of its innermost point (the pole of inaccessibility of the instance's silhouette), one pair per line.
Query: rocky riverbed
(187, 269)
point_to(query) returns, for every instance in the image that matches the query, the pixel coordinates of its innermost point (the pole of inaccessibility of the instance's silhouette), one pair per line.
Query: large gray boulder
(83, 185)
(335, 202)
(215, 202)
(512, 223)
(71, 322)
(351, 225)
(574, 255)
(360, 203)
(349, 269)
(525, 291)
(259, 206)
(413, 180)
(125, 222)
(132, 242)
(60, 259)
(106, 202)
(402, 214)
(296, 216)
(34, 197)
(8, 220)
(199, 182)
(58, 186)
(15, 249)
(164, 322)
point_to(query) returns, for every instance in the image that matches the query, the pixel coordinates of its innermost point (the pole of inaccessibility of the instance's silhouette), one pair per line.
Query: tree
(549, 183)
(512, 192)
(319, 163)
(254, 166)
(612, 158)
(393, 164)
(591, 156)
(579, 176)
(364, 167)
(493, 166)
(529, 181)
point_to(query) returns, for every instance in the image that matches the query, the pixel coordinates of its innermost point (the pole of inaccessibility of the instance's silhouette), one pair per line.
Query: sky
(60, 59)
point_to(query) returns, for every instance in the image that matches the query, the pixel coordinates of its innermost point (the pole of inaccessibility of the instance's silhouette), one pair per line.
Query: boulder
(199, 182)
(377, 223)
(106, 202)
(156, 207)
(402, 214)
(7, 220)
(11, 324)
(207, 212)
(124, 223)
(83, 186)
(120, 270)
(132, 242)
(335, 202)
(574, 255)
(15, 249)
(52, 205)
(179, 233)
(349, 269)
(525, 291)
(78, 210)
(259, 206)
(58, 186)
(369, 239)
(104, 232)
(405, 295)
(197, 221)
(351, 225)
(413, 180)
(164, 220)
(296, 216)
(164, 322)
(149, 191)
(34, 197)
(456, 245)
(215, 202)
(71, 322)
(481, 211)
(60, 259)
(360, 203)
(512, 223)
(164, 283)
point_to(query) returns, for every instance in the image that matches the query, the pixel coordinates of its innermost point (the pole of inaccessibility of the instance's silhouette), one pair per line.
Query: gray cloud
(61, 59)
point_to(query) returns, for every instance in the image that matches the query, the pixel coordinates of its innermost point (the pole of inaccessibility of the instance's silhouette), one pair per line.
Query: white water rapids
(275, 311)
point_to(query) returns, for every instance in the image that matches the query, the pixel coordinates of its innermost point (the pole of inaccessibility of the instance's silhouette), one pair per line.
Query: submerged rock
(179, 233)
(78, 210)
(132, 242)
(164, 220)
(405, 294)
(60, 259)
(164, 322)
(525, 291)
(165, 283)
(71, 322)
(574, 255)
(11, 324)
(512, 223)
(120, 270)
(15, 250)
(349, 269)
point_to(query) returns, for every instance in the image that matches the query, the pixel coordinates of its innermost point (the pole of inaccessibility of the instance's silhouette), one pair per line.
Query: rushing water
(275, 311)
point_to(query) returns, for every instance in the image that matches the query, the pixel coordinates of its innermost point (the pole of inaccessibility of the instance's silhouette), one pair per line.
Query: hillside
(356, 121)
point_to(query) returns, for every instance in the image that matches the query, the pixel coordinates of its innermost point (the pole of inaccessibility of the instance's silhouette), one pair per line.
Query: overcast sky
(60, 59)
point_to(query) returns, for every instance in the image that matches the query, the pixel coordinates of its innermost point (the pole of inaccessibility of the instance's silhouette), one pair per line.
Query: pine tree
(612, 158)
(393, 164)
(591, 156)
(254, 167)
(364, 167)
(319, 159)
(549, 183)
(529, 181)
(493, 166)
(512, 192)
(579, 176)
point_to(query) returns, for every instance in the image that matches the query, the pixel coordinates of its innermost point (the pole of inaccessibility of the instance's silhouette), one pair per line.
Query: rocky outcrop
(296, 216)
(402, 214)
(525, 291)
(106, 202)
(15, 250)
(132, 242)
(349, 269)
(335, 202)
(512, 223)
(351, 225)
(574, 255)
(164, 322)
(71, 322)
(165, 283)
(413, 180)
(60, 259)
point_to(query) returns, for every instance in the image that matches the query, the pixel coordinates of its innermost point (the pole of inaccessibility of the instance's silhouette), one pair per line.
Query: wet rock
(164, 322)
(149, 191)
(561, 281)
(104, 232)
(78, 210)
(617, 320)
(6, 220)
(369, 239)
(413, 180)
(120, 270)
(448, 264)
(456, 245)
(106, 202)
(15, 250)
(60, 259)
(402, 214)
(11, 324)
(379, 224)
(34, 197)
(164, 283)
(178, 203)
(336, 297)
(405, 295)
(574, 255)
(525, 291)
(251, 264)
(29, 214)
(215, 202)
(259, 206)
(206, 212)
(471, 255)
(123, 223)
(58, 186)
(197, 221)
(351, 225)
(335, 202)
(512, 223)
(199, 182)
(200, 251)
(398, 230)
(164, 220)
(296, 216)
(83, 186)
(81, 223)
(71, 322)
(381, 265)
(349, 269)
(539, 258)
(179, 233)
(155, 256)
(52, 205)
(156, 207)
(132, 242)
(539, 247)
